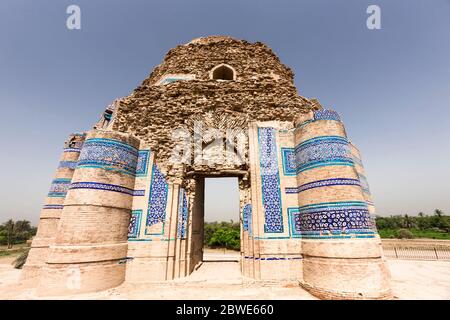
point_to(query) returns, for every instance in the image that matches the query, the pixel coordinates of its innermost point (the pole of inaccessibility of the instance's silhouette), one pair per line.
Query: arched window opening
(223, 72)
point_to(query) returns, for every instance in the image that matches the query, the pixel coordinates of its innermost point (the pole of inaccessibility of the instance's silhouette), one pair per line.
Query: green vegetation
(436, 226)
(13, 238)
(21, 259)
(16, 232)
(222, 235)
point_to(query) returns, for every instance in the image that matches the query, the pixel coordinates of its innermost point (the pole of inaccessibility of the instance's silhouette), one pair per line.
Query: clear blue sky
(391, 86)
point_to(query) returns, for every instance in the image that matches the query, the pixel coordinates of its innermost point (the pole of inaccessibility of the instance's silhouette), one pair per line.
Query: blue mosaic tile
(158, 198)
(331, 219)
(272, 258)
(72, 150)
(68, 164)
(326, 114)
(183, 213)
(364, 183)
(58, 188)
(324, 183)
(270, 180)
(139, 193)
(316, 152)
(247, 218)
(53, 206)
(135, 224)
(142, 163)
(109, 155)
(101, 186)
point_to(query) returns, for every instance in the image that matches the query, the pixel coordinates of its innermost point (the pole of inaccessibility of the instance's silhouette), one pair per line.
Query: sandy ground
(410, 280)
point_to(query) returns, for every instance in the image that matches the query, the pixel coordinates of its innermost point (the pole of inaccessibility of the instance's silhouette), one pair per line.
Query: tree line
(15, 232)
(436, 226)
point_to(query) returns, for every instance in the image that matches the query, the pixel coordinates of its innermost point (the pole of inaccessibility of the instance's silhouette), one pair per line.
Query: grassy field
(429, 234)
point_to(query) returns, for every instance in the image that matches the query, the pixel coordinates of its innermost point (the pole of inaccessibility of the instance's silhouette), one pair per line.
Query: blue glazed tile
(135, 224)
(324, 183)
(158, 198)
(326, 114)
(270, 180)
(109, 155)
(316, 152)
(183, 213)
(247, 218)
(59, 188)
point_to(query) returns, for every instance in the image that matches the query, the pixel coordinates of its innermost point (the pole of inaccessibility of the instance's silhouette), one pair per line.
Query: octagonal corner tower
(216, 107)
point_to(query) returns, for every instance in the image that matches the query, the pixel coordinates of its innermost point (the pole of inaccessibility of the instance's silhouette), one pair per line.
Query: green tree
(225, 237)
(16, 232)
(438, 213)
(8, 226)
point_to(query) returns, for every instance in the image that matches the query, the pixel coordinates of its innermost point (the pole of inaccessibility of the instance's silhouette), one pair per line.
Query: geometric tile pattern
(247, 218)
(142, 163)
(333, 219)
(58, 188)
(324, 183)
(53, 206)
(316, 152)
(68, 164)
(272, 258)
(138, 193)
(183, 213)
(135, 224)
(101, 186)
(364, 183)
(326, 114)
(270, 179)
(109, 155)
(158, 198)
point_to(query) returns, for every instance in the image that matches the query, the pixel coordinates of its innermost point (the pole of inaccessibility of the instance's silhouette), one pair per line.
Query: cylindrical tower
(91, 242)
(362, 178)
(341, 249)
(51, 211)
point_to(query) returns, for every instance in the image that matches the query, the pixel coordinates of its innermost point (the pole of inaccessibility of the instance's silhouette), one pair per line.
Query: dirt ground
(410, 280)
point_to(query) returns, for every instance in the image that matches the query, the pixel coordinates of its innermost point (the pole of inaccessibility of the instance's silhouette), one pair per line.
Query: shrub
(20, 260)
(404, 234)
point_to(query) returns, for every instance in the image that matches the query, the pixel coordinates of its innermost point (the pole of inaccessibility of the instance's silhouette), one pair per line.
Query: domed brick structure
(132, 205)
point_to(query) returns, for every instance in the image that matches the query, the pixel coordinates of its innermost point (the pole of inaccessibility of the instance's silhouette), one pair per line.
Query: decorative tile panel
(139, 193)
(102, 187)
(158, 198)
(331, 219)
(53, 206)
(183, 213)
(58, 188)
(316, 152)
(326, 114)
(135, 224)
(68, 164)
(324, 183)
(142, 163)
(364, 183)
(247, 218)
(270, 180)
(109, 155)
